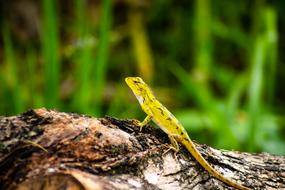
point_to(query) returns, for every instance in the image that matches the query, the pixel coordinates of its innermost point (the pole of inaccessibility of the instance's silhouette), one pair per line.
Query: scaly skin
(171, 126)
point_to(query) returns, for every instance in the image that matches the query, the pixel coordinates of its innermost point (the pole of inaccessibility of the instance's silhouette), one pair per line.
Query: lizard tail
(196, 154)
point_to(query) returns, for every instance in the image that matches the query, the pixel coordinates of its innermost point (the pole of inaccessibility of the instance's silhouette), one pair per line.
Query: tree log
(46, 149)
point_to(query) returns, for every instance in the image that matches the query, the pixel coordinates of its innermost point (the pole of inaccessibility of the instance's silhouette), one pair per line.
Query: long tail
(196, 154)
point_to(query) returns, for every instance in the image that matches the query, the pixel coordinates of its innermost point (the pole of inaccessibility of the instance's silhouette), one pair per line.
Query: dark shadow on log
(108, 153)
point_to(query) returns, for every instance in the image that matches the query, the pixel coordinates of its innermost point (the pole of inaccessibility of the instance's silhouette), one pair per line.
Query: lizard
(171, 126)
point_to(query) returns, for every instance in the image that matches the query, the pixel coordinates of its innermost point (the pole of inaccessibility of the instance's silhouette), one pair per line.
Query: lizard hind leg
(174, 146)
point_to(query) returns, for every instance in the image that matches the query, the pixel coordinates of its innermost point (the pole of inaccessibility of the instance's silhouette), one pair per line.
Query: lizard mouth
(128, 81)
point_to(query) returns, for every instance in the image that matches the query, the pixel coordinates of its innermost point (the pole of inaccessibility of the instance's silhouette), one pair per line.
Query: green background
(217, 65)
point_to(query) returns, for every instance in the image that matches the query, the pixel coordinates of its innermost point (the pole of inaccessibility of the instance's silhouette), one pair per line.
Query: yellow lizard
(171, 126)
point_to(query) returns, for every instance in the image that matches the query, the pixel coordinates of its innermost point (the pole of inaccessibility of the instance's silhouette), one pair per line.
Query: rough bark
(108, 153)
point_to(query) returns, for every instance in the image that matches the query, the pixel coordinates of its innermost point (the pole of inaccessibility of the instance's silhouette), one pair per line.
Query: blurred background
(217, 65)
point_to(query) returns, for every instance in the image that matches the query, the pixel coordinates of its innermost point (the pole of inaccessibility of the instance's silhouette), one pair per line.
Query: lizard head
(139, 88)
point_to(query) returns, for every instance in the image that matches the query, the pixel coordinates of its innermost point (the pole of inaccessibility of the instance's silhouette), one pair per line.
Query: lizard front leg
(145, 121)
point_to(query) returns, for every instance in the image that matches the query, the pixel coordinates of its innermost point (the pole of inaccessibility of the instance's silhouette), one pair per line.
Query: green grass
(84, 62)
(102, 55)
(271, 37)
(12, 86)
(50, 53)
(33, 85)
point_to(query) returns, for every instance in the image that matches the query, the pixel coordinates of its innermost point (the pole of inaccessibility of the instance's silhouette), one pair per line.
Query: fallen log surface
(46, 149)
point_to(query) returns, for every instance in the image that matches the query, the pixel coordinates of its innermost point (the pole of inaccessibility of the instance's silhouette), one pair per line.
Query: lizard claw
(140, 125)
(169, 149)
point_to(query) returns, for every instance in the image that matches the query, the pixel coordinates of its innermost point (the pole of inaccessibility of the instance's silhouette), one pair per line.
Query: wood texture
(108, 153)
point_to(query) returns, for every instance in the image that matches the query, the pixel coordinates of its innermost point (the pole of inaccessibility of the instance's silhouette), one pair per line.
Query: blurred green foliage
(217, 65)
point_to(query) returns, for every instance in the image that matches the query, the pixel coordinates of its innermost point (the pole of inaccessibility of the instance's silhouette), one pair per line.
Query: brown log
(108, 153)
